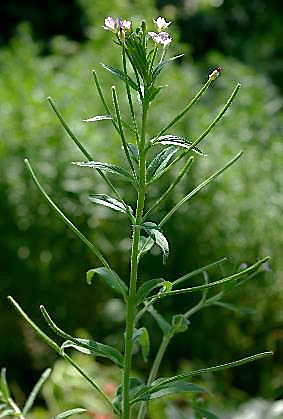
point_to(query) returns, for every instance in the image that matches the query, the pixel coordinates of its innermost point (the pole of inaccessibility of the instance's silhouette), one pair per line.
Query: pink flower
(160, 38)
(116, 25)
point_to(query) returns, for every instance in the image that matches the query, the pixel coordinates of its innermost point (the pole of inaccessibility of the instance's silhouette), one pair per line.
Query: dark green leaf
(178, 142)
(109, 202)
(146, 288)
(120, 75)
(107, 167)
(36, 389)
(142, 337)
(4, 385)
(97, 118)
(71, 412)
(162, 323)
(145, 245)
(159, 238)
(110, 277)
(136, 385)
(91, 347)
(171, 388)
(134, 151)
(160, 161)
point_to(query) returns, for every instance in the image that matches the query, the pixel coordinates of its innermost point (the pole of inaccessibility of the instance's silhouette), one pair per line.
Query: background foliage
(239, 216)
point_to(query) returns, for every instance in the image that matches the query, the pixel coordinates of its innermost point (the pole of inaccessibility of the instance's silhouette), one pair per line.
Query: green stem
(57, 349)
(131, 303)
(154, 370)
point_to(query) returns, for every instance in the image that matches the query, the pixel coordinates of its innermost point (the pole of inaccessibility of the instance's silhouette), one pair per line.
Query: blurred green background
(49, 51)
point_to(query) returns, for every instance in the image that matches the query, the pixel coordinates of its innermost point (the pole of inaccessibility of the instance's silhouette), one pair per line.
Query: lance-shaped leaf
(159, 162)
(98, 118)
(170, 388)
(146, 288)
(145, 245)
(134, 151)
(141, 336)
(4, 385)
(111, 278)
(178, 142)
(120, 75)
(91, 347)
(135, 386)
(109, 202)
(107, 167)
(159, 238)
(36, 389)
(164, 325)
(70, 412)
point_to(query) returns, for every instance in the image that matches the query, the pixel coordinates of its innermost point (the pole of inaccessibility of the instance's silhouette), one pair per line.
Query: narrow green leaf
(171, 388)
(220, 367)
(159, 162)
(107, 201)
(120, 75)
(177, 142)
(71, 412)
(37, 388)
(159, 238)
(134, 151)
(145, 245)
(4, 385)
(234, 277)
(107, 167)
(146, 288)
(111, 278)
(164, 325)
(98, 118)
(91, 347)
(142, 337)
(83, 238)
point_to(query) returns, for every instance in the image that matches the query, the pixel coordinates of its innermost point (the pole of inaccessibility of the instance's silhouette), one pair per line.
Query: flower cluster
(119, 27)
(160, 37)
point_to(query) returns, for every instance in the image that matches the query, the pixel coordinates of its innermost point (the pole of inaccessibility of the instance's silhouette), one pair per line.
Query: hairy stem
(131, 305)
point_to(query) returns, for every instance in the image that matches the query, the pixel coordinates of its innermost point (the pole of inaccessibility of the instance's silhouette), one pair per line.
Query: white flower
(116, 25)
(126, 25)
(160, 24)
(160, 38)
